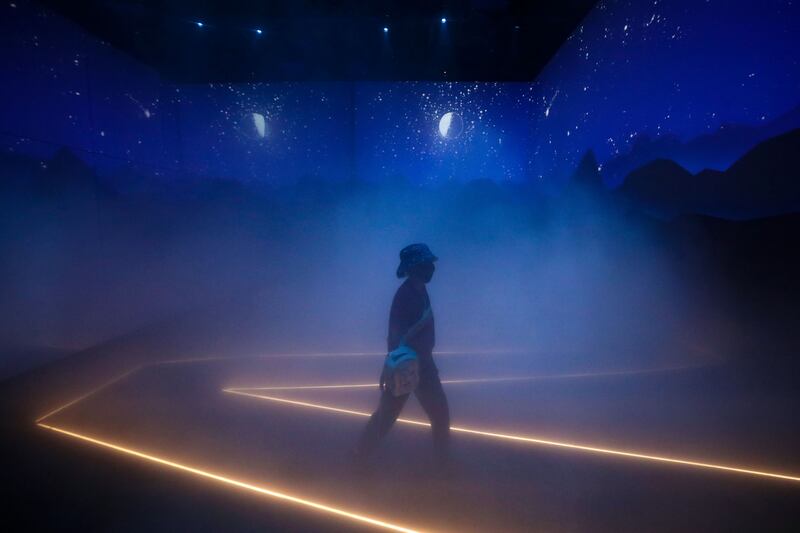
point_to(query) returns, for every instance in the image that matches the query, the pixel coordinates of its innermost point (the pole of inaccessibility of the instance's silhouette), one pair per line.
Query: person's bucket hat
(414, 254)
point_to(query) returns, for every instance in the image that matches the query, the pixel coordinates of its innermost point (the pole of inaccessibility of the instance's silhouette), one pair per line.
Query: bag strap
(416, 326)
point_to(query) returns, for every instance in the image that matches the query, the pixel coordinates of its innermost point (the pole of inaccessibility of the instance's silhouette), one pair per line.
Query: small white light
(444, 20)
(386, 29)
(199, 24)
(259, 31)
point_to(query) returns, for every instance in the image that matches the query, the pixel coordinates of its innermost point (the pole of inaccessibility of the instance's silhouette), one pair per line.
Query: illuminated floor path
(587, 448)
(335, 507)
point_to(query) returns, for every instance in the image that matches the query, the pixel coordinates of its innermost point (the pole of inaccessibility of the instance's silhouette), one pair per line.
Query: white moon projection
(253, 125)
(450, 125)
(260, 125)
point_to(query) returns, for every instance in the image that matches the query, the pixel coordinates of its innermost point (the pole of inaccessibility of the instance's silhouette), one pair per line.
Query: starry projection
(632, 73)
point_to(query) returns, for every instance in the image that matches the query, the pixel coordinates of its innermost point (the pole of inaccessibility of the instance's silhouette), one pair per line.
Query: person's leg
(433, 400)
(380, 422)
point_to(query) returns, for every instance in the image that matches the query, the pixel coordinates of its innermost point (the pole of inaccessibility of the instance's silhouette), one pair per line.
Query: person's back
(411, 323)
(409, 303)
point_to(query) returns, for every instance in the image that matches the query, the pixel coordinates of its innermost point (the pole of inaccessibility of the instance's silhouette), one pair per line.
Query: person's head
(422, 271)
(416, 262)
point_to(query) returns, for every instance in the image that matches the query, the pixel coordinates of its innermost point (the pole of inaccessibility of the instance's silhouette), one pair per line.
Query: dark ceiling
(333, 40)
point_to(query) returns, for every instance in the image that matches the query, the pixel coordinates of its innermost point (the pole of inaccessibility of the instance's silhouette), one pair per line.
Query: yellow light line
(308, 387)
(537, 441)
(372, 385)
(90, 393)
(233, 482)
(478, 380)
(304, 404)
(262, 356)
(325, 354)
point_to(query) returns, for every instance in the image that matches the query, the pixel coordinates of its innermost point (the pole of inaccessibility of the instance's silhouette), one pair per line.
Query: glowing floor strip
(325, 354)
(327, 508)
(474, 380)
(533, 440)
(230, 481)
(90, 393)
(375, 385)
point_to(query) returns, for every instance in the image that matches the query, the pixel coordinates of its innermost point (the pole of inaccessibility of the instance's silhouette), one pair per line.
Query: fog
(578, 277)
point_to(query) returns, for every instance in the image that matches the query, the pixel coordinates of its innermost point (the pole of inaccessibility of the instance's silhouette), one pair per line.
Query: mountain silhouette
(67, 181)
(662, 186)
(717, 150)
(587, 174)
(765, 181)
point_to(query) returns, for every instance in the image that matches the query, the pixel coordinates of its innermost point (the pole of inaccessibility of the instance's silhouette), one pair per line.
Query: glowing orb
(450, 125)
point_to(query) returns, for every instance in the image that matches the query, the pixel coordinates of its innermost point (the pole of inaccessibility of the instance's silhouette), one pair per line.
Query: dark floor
(715, 414)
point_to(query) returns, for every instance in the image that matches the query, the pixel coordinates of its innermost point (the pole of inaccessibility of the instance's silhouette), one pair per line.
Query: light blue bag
(402, 363)
(403, 370)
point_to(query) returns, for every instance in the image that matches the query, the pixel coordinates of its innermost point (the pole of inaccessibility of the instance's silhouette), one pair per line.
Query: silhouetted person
(411, 308)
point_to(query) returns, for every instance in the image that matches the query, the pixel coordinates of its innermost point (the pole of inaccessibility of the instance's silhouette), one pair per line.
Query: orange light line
(308, 387)
(478, 380)
(325, 354)
(371, 385)
(537, 441)
(90, 393)
(263, 356)
(233, 482)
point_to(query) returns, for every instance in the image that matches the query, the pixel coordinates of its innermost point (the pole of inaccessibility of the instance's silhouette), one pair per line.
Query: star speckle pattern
(641, 70)
(398, 130)
(632, 72)
(308, 130)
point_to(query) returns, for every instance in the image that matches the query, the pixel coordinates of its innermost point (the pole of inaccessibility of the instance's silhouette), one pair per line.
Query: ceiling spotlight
(444, 20)
(259, 31)
(199, 24)
(386, 29)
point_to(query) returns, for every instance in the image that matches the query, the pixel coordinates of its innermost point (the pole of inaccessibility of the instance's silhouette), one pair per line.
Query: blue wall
(697, 82)
(62, 87)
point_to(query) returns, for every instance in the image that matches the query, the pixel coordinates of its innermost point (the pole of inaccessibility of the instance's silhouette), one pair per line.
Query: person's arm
(404, 313)
(410, 314)
(421, 322)
(404, 321)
